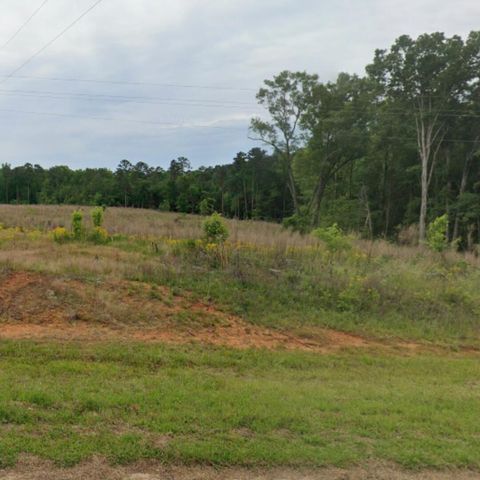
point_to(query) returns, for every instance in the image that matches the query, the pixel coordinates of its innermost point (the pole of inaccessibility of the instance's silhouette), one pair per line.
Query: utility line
(172, 125)
(111, 119)
(27, 21)
(51, 42)
(209, 103)
(137, 83)
(134, 99)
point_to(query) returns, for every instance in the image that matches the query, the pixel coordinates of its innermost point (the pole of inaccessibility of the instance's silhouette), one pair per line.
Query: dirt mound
(39, 306)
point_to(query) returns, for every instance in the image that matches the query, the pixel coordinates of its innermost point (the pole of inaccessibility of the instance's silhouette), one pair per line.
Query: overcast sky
(160, 53)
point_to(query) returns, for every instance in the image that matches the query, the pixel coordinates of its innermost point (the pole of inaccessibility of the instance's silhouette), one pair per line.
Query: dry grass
(70, 402)
(270, 276)
(150, 223)
(31, 468)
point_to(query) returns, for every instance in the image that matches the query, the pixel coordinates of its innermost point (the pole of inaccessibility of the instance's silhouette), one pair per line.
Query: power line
(137, 83)
(172, 125)
(51, 42)
(112, 119)
(27, 21)
(210, 103)
(127, 98)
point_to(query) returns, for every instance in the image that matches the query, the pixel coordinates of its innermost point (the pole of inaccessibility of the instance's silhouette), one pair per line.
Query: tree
(286, 99)
(336, 121)
(425, 77)
(124, 176)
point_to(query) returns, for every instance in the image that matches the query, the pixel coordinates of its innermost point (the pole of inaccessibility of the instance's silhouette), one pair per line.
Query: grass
(372, 290)
(196, 405)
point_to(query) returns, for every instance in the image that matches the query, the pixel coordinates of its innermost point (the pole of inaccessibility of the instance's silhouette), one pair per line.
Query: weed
(99, 236)
(215, 230)
(77, 225)
(60, 235)
(97, 216)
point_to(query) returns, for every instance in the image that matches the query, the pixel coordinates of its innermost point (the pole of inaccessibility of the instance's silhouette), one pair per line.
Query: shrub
(215, 229)
(99, 236)
(206, 207)
(437, 234)
(164, 206)
(60, 235)
(298, 223)
(333, 238)
(97, 216)
(77, 224)
(408, 235)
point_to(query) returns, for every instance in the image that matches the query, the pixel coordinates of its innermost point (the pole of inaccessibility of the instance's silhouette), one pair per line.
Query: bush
(408, 235)
(99, 236)
(60, 235)
(215, 229)
(97, 216)
(206, 207)
(437, 234)
(164, 206)
(77, 224)
(333, 237)
(298, 223)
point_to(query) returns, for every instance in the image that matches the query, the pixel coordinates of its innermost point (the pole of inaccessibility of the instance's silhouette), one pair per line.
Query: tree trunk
(368, 213)
(463, 187)
(386, 194)
(429, 138)
(422, 225)
(317, 201)
(245, 199)
(293, 190)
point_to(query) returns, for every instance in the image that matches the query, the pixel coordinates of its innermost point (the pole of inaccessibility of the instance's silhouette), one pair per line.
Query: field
(268, 357)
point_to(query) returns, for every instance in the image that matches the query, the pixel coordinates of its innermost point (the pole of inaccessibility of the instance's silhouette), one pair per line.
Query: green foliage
(164, 206)
(298, 222)
(77, 225)
(206, 207)
(214, 229)
(60, 235)
(333, 238)
(437, 234)
(334, 158)
(99, 236)
(97, 216)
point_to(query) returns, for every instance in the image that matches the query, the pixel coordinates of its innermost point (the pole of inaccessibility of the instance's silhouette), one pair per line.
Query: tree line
(251, 187)
(378, 153)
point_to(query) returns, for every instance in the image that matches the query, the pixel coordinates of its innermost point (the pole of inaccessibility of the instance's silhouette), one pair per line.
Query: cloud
(230, 46)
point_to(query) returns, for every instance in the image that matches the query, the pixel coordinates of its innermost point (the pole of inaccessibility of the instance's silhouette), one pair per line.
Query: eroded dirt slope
(39, 306)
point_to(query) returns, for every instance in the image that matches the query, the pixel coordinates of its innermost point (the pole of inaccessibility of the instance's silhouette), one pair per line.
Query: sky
(152, 80)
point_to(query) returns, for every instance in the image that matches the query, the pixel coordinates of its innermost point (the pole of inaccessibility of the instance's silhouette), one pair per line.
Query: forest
(382, 154)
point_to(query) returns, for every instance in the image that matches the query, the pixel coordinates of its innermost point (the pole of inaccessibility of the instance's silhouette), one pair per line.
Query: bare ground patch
(46, 307)
(30, 468)
(39, 306)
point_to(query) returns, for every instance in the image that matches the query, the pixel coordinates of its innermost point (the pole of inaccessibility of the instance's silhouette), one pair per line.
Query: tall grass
(270, 276)
(147, 223)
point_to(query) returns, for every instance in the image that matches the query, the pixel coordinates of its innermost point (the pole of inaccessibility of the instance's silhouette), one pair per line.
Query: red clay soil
(38, 306)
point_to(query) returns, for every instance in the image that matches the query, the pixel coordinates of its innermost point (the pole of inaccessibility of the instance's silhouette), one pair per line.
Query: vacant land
(271, 352)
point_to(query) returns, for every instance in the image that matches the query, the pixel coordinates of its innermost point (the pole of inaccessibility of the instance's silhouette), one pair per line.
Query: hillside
(270, 350)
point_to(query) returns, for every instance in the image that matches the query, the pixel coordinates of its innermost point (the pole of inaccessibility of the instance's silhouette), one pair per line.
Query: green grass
(376, 289)
(382, 296)
(224, 407)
